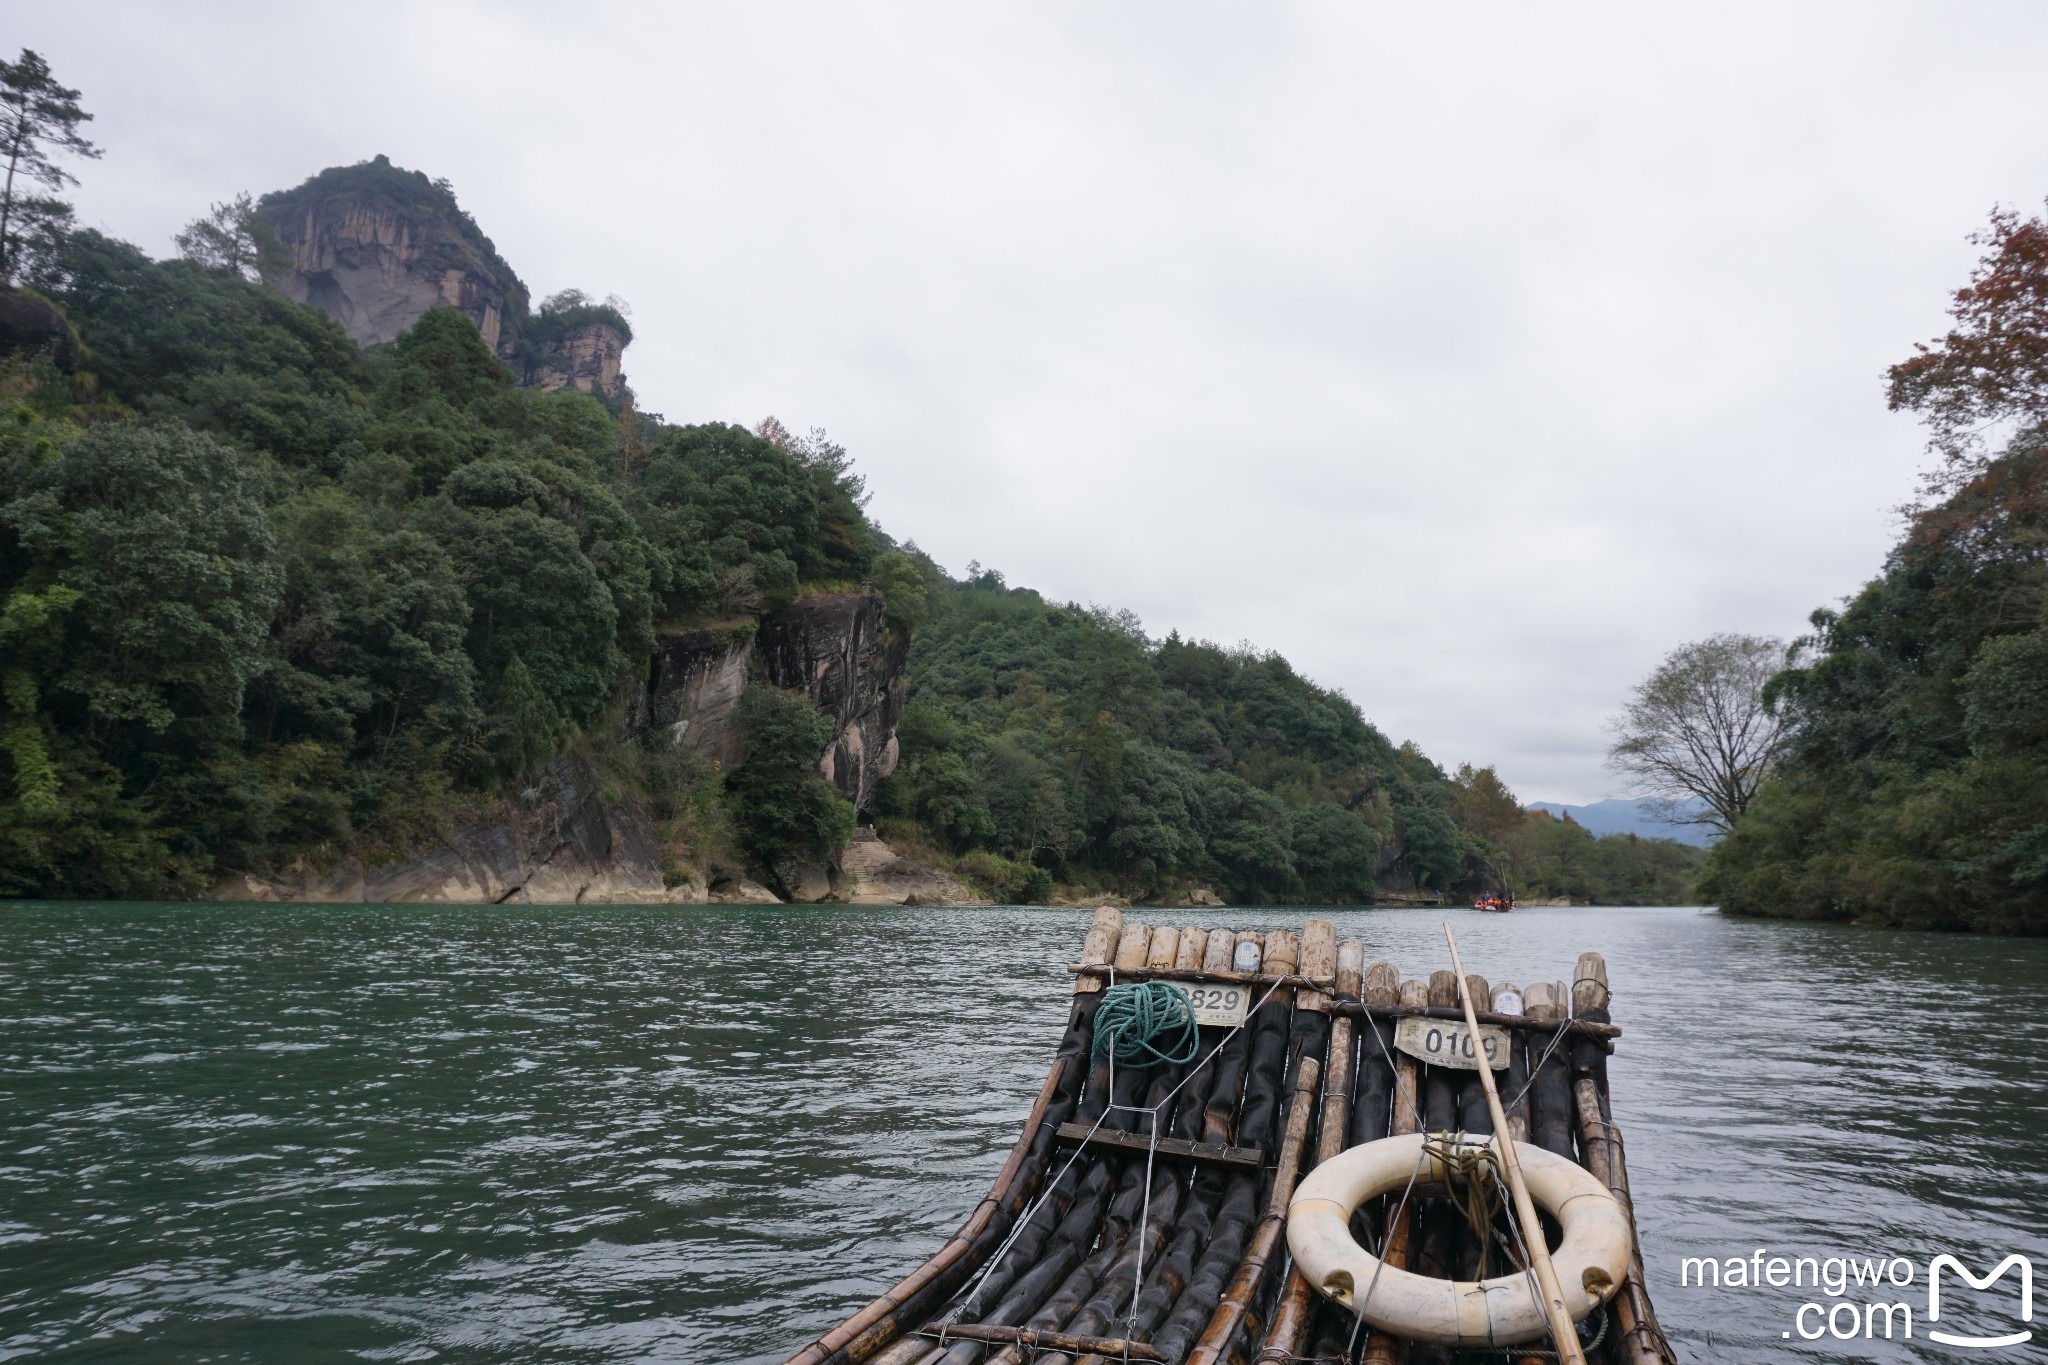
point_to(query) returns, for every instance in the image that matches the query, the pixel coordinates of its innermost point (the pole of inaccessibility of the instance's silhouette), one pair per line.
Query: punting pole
(1562, 1333)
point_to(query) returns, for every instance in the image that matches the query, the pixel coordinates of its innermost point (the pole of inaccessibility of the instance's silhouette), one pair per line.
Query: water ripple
(481, 1134)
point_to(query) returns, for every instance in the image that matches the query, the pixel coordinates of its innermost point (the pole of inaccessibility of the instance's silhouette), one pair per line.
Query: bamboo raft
(1141, 1214)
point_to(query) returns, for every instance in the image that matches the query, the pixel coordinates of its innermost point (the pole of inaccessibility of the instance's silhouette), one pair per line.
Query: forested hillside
(1051, 736)
(1915, 792)
(273, 598)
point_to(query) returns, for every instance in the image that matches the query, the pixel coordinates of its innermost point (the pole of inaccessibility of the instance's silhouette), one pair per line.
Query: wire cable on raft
(1135, 1019)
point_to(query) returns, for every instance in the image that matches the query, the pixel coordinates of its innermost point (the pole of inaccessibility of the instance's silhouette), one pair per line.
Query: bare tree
(1697, 729)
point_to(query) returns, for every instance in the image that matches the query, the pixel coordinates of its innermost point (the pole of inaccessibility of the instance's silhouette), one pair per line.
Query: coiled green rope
(1150, 1017)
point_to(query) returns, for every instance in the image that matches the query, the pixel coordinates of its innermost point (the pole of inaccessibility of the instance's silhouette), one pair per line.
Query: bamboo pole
(1562, 1331)
(1507, 1000)
(1132, 947)
(1550, 1091)
(1237, 1298)
(1194, 943)
(1218, 950)
(1165, 948)
(1289, 1328)
(1384, 1348)
(1473, 1115)
(1641, 1341)
(1099, 947)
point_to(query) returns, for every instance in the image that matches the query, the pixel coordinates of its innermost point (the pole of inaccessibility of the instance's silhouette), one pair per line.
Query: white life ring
(1506, 1310)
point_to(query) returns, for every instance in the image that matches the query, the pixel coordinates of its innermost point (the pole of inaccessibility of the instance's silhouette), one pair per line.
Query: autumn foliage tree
(1915, 789)
(1991, 371)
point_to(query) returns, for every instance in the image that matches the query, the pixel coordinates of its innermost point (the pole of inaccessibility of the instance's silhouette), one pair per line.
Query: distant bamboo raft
(1104, 1240)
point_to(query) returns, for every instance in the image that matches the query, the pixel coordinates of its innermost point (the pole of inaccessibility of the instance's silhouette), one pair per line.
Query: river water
(704, 1134)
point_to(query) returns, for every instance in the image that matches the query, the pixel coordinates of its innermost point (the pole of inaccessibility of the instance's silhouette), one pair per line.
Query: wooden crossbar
(1171, 1149)
(1112, 1348)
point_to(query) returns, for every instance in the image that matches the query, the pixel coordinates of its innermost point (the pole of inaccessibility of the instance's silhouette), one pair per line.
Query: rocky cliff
(572, 840)
(374, 246)
(587, 358)
(566, 842)
(839, 650)
(33, 328)
(836, 648)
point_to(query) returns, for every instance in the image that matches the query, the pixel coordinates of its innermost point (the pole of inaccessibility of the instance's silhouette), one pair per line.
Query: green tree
(1336, 853)
(39, 119)
(788, 815)
(235, 236)
(718, 497)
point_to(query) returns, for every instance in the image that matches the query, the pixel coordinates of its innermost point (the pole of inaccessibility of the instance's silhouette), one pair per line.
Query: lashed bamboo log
(1641, 1342)
(1373, 1094)
(1550, 1091)
(1473, 1115)
(1100, 946)
(1230, 1313)
(1384, 1348)
(1564, 1335)
(1507, 1001)
(1193, 944)
(1318, 960)
(1439, 1088)
(1165, 948)
(1132, 947)
(1289, 1327)
(1219, 951)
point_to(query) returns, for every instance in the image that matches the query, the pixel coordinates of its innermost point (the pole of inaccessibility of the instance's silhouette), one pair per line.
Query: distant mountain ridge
(1617, 815)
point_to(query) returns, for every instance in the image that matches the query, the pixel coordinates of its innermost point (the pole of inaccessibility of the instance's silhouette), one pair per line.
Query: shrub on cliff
(788, 816)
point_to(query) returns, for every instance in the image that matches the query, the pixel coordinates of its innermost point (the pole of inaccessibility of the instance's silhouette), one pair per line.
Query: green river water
(703, 1134)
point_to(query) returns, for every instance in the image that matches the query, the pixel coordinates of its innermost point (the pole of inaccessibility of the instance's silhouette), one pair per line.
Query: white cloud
(1470, 356)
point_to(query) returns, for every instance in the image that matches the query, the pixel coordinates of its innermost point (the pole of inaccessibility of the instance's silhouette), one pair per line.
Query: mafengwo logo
(1864, 1296)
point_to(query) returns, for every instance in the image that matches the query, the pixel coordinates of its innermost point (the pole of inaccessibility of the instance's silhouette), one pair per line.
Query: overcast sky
(1470, 356)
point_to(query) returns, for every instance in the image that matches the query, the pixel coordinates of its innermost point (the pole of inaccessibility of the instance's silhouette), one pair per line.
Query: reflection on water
(703, 1134)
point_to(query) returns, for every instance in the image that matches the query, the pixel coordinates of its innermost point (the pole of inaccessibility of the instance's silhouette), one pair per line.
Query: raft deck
(1105, 1240)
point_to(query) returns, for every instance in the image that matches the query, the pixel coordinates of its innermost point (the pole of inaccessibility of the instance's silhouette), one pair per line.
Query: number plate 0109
(1225, 1005)
(1443, 1042)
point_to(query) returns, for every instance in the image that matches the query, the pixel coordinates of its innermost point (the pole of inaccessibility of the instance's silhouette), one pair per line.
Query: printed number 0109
(1448, 1043)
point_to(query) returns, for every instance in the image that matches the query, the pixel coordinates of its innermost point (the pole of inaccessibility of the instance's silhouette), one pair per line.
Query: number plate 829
(1225, 1005)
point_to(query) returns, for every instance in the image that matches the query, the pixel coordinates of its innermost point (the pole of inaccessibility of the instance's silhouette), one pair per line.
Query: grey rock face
(695, 692)
(835, 648)
(33, 327)
(375, 269)
(570, 843)
(839, 649)
(588, 359)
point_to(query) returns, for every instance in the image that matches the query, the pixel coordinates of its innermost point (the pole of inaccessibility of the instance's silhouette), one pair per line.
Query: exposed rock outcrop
(373, 250)
(571, 845)
(374, 246)
(871, 873)
(695, 690)
(588, 359)
(840, 649)
(36, 329)
(836, 648)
